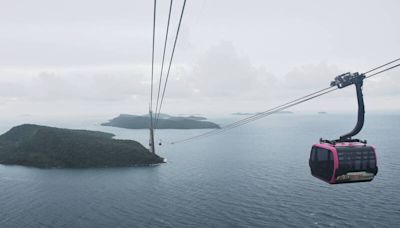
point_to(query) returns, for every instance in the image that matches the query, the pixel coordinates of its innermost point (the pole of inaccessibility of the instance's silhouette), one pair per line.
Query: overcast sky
(85, 57)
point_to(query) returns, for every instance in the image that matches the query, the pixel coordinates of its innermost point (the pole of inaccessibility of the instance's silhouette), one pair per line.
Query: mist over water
(253, 176)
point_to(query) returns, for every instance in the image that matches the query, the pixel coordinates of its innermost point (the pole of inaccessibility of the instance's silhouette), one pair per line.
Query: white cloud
(222, 80)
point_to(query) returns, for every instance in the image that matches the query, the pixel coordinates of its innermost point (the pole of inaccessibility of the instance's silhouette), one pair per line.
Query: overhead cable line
(376, 68)
(280, 107)
(272, 109)
(170, 61)
(152, 64)
(255, 117)
(258, 115)
(389, 68)
(163, 57)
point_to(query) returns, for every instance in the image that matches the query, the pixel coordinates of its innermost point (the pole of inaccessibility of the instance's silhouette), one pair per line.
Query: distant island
(255, 113)
(165, 122)
(49, 147)
(244, 113)
(322, 112)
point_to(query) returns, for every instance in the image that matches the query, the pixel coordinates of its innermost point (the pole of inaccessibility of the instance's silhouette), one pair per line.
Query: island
(256, 113)
(244, 113)
(164, 122)
(50, 147)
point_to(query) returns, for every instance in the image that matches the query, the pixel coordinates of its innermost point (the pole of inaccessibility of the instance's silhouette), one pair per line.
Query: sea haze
(253, 176)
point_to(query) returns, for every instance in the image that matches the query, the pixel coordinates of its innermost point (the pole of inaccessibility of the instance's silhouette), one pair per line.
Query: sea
(256, 175)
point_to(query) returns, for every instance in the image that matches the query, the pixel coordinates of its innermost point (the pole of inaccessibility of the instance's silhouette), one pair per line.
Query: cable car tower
(160, 99)
(151, 128)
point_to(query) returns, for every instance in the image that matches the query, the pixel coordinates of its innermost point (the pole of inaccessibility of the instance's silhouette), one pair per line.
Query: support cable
(152, 63)
(170, 62)
(163, 57)
(379, 72)
(376, 68)
(264, 114)
(281, 107)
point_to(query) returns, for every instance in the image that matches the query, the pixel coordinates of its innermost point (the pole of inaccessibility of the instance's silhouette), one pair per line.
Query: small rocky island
(256, 113)
(49, 147)
(165, 122)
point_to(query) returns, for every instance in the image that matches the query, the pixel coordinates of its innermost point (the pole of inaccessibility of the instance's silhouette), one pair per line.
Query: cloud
(311, 76)
(222, 72)
(219, 73)
(221, 80)
(71, 86)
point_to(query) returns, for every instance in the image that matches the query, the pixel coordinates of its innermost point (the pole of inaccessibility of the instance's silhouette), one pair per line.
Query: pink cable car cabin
(345, 160)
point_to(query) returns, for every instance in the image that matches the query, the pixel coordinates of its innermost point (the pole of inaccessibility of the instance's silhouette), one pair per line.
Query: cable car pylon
(151, 128)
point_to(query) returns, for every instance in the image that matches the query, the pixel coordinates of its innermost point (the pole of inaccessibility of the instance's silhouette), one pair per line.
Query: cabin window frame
(323, 165)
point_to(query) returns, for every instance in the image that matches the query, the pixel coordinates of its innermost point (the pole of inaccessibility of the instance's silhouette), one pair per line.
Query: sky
(93, 57)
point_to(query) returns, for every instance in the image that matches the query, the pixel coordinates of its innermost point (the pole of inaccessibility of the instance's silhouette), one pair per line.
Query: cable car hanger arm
(341, 82)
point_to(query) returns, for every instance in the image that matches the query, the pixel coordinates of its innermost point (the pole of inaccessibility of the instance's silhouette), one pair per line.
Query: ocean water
(253, 176)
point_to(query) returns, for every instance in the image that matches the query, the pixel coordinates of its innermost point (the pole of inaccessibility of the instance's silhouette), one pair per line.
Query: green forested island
(165, 122)
(49, 147)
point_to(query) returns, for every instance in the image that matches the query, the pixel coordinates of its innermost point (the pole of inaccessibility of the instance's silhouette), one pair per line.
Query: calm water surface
(253, 176)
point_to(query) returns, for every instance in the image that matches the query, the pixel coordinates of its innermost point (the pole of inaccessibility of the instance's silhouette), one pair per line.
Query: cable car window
(357, 165)
(364, 163)
(312, 157)
(322, 155)
(372, 163)
(341, 156)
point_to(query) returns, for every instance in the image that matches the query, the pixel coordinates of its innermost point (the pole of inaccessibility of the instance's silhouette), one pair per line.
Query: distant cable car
(345, 160)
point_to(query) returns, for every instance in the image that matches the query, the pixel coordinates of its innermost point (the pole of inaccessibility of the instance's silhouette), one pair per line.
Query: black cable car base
(345, 160)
